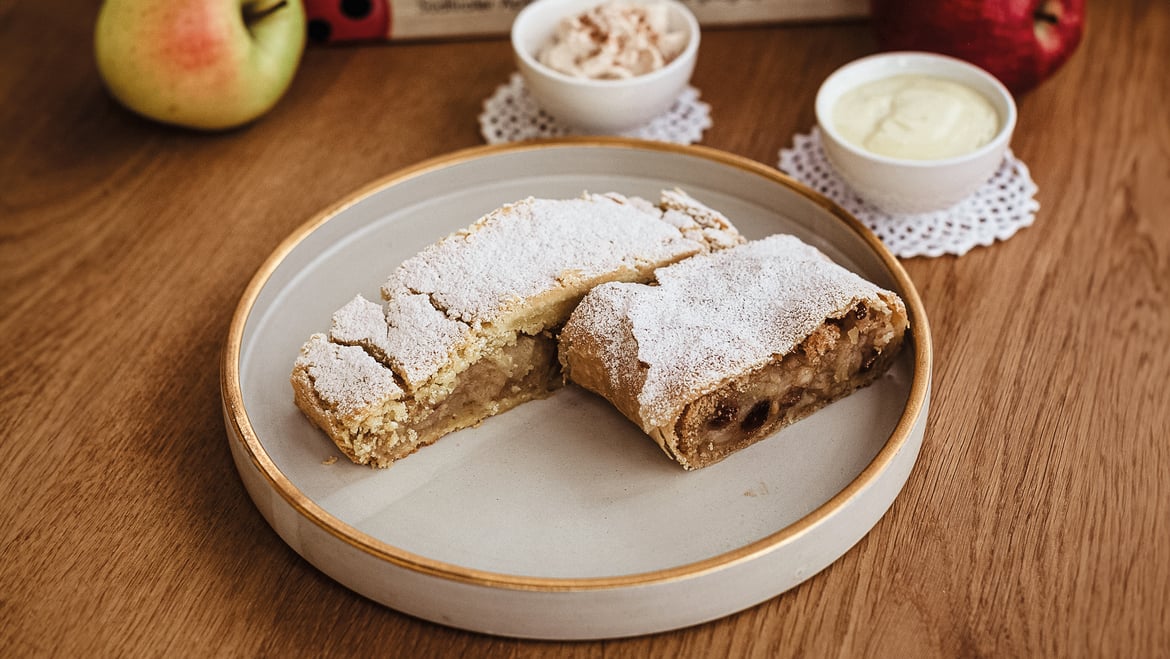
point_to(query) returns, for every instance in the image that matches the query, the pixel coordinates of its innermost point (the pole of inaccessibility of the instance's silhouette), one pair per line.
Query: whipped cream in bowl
(605, 66)
(614, 40)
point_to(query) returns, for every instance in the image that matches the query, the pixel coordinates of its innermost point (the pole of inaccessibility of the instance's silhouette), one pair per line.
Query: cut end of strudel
(467, 327)
(733, 345)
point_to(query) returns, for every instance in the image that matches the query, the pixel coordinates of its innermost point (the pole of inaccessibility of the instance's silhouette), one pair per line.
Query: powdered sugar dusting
(719, 315)
(409, 334)
(441, 300)
(362, 323)
(697, 221)
(346, 378)
(419, 337)
(527, 248)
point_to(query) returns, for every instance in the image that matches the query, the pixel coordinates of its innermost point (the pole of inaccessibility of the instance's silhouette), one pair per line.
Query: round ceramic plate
(560, 519)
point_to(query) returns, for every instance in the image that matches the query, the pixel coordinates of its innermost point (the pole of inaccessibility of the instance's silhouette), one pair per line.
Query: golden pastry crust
(731, 346)
(467, 327)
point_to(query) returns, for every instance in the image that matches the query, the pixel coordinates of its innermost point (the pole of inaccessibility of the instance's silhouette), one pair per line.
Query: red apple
(1021, 42)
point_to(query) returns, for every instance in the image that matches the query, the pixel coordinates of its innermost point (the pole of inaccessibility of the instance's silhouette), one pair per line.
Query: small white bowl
(899, 185)
(599, 106)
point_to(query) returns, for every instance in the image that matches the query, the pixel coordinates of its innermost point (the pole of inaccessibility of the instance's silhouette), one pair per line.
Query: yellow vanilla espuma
(915, 117)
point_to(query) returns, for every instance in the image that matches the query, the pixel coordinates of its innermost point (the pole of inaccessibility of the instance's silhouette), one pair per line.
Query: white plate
(559, 519)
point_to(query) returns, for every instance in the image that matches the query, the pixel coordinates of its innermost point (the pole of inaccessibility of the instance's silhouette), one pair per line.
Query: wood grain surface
(1036, 522)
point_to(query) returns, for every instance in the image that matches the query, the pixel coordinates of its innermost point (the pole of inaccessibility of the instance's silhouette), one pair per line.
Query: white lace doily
(512, 115)
(1003, 206)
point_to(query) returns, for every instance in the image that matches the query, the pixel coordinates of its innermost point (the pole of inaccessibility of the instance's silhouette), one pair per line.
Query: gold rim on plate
(238, 416)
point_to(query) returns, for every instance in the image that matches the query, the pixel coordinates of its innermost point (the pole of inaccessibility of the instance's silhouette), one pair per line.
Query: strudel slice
(730, 346)
(467, 327)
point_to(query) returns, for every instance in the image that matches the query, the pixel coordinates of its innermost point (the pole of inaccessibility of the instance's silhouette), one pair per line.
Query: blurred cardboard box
(358, 20)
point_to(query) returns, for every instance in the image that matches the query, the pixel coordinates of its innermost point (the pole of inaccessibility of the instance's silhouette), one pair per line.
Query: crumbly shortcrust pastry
(730, 346)
(467, 328)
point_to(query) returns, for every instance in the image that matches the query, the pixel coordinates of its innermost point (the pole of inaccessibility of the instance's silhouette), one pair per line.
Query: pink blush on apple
(198, 41)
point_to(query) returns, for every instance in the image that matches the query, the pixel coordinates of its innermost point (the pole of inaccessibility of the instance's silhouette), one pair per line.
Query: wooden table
(1036, 522)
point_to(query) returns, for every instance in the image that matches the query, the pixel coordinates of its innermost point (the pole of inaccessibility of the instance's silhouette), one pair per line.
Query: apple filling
(840, 356)
(497, 382)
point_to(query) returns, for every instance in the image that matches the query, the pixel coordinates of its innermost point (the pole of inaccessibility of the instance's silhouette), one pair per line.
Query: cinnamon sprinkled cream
(613, 41)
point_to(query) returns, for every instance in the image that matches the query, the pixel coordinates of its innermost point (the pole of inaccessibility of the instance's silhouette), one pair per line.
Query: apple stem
(1044, 13)
(252, 13)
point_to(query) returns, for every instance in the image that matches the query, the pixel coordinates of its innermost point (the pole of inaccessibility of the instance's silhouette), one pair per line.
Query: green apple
(206, 64)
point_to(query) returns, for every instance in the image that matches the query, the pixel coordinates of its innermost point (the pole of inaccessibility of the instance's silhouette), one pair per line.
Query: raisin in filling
(838, 357)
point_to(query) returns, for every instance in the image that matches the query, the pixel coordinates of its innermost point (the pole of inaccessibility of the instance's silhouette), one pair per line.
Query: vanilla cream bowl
(601, 106)
(914, 132)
